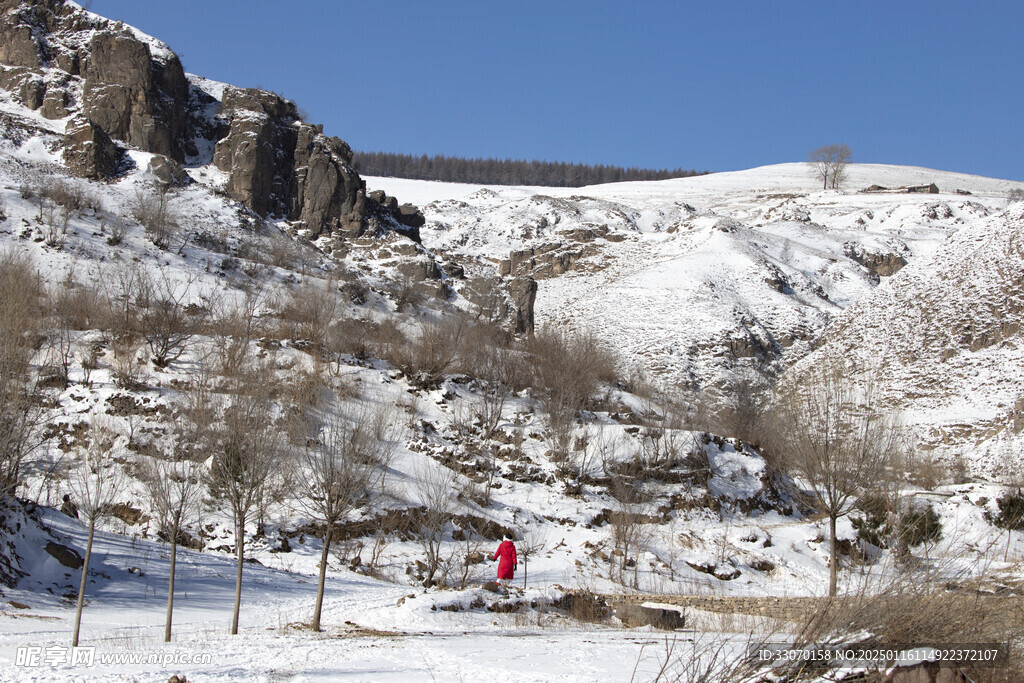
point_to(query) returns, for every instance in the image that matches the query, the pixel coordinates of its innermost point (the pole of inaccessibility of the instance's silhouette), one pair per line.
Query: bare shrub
(170, 322)
(238, 326)
(310, 310)
(406, 294)
(584, 605)
(926, 605)
(128, 289)
(127, 365)
(568, 369)
(152, 209)
(429, 357)
(704, 658)
(116, 229)
(55, 229)
(500, 370)
(632, 530)
(663, 443)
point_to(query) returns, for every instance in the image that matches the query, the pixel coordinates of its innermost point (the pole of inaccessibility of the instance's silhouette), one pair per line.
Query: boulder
(410, 216)
(168, 171)
(68, 557)
(33, 92)
(89, 152)
(419, 269)
(55, 103)
(634, 616)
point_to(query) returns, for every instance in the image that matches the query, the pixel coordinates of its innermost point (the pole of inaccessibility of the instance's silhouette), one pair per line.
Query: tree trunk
(833, 557)
(170, 586)
(328, 532)
(85, 577)
(526, 566)
(239, 551)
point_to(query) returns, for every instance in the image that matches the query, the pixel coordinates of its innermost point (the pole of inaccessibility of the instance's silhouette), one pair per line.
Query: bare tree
(828, 164)
(835, 438)
(338, 471)
(436, 493)
(174, 483)
(95, 483)
(20, 323)
(533, 543)
(249, 457)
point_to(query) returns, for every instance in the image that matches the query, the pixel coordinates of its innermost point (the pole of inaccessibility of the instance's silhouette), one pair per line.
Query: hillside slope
(943, 338)
(696, 278)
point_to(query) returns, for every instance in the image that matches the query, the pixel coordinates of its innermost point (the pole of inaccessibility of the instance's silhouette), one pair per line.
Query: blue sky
(707, 85)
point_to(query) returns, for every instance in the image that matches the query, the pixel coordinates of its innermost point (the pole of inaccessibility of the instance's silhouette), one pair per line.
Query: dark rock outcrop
(633, 616)
(168, 171)
(133, 88)
(879, 264)
(133, 96)
(89, 152)
(504, 301)
(523, 291)
(68, 557)
(20, 44)
(281, 166)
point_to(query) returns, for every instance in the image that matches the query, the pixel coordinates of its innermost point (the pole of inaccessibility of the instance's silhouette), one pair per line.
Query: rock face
(134, 96)
(278, 165)
(509, 301)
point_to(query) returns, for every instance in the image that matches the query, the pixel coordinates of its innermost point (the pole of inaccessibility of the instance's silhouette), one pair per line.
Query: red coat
(506, 556)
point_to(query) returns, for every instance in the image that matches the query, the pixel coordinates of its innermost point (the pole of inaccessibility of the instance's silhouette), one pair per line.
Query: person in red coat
(506, 556)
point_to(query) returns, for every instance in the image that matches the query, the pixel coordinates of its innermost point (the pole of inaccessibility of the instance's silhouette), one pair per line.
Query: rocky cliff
(114, 83)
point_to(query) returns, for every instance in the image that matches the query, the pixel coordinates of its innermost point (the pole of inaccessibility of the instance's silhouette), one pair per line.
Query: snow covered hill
(695, 278)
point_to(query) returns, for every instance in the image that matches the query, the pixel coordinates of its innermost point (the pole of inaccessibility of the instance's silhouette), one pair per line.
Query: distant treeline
(504, 171)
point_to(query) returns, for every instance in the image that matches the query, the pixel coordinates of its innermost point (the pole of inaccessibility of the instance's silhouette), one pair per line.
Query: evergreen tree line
(504, 171)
